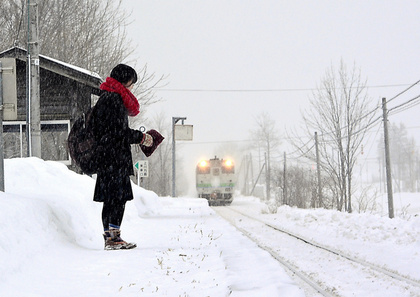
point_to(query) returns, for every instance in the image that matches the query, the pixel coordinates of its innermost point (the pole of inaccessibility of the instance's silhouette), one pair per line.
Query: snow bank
(46, 204)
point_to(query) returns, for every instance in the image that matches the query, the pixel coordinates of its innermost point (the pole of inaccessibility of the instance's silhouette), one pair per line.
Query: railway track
(320, 270)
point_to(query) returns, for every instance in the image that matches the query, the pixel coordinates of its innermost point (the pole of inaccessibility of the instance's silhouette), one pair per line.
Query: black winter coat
(114, 137)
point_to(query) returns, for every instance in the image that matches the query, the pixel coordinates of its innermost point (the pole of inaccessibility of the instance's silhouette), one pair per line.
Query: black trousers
(113, 212)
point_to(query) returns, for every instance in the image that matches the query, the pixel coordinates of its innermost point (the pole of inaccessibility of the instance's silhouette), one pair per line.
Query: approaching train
(215, 181)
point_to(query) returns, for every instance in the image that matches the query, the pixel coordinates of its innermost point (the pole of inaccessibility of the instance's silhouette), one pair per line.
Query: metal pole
(318, 169)
(268, 172)
(28, 89)
(1, 132)
(28, 106)
(253, 188)
(267, 182)
(245, 190)
(174, 121)
(173, 157)
(388, 162)
(35, 103)
(285, 181)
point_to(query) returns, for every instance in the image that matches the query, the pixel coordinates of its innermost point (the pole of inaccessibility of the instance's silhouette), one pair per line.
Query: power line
(390, 110)
(303, 154)
(399, 94)
(300, 149)
(411, 101)
(399, 108)
(273, 90)
(368, 126)
(216, 141)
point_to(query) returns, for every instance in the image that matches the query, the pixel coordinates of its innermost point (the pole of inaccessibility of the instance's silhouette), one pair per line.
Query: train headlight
(228, 167)
(203, 167)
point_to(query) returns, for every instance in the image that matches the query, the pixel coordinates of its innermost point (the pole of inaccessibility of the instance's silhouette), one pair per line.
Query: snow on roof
(80, 69)
(76, 68)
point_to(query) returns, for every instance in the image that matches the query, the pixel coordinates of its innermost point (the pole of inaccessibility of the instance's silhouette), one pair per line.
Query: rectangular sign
(183, 132)
(9, 89)
(143, 168)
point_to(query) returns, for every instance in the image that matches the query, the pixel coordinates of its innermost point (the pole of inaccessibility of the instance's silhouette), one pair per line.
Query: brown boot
(113, 241)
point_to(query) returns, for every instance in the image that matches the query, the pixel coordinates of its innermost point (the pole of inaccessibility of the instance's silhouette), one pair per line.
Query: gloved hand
(147, 140)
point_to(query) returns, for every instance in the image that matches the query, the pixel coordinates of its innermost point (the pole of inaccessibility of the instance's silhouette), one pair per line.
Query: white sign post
(142, 167)
(179, 132)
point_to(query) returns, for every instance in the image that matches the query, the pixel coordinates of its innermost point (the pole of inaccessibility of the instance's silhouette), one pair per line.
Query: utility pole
(285, 181)
(388, 162)
(1, 131)
(33, 102)
(318, 169)
(258, 177)
(252, 168)
(267, 177)
(268, 172)
(245, 188)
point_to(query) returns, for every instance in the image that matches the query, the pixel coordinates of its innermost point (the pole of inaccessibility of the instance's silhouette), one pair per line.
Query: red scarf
(130, 101)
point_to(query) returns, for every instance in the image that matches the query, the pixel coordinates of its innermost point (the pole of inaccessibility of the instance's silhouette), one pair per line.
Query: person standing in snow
(114, 138)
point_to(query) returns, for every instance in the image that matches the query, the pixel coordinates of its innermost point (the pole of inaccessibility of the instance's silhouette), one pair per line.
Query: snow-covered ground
(393, 244)
(51, 241)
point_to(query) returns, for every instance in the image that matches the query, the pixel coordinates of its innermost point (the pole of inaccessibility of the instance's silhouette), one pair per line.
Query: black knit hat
(124, 74)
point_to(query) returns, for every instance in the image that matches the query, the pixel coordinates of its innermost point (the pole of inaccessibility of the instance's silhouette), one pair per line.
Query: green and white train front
(215, 181)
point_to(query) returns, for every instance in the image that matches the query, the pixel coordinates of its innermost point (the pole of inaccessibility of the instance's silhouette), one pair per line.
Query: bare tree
(12, 23)
(266, 138)
(340, 111)
(85, 33)
(160, 166)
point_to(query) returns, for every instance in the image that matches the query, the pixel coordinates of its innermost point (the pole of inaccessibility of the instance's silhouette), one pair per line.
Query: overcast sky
(229, 61)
